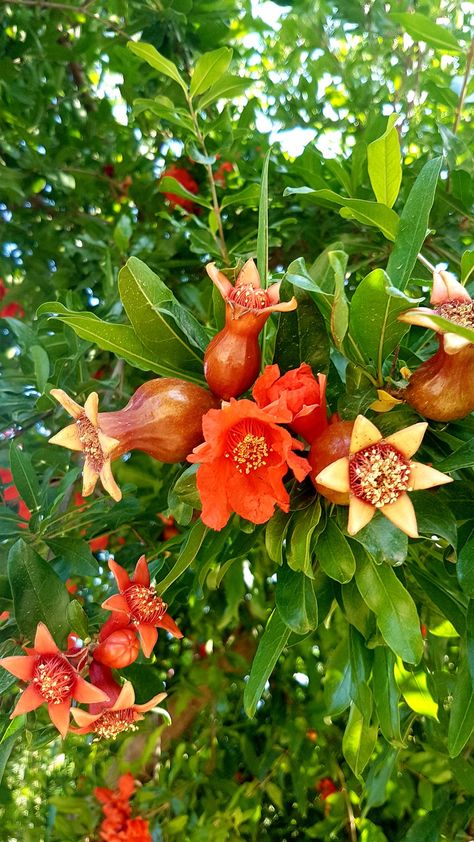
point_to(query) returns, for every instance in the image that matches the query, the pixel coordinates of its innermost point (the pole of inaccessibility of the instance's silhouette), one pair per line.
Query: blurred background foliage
(81, 156)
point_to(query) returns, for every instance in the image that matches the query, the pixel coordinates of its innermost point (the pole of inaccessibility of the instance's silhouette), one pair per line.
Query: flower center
(89, 438)
(379, 474)
(247, 447)
(54, 678)
(246, 296)
(145, 604)
(113, 722)
(458, 311)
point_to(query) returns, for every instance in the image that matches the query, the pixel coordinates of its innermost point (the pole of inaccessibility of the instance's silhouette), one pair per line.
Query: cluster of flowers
(118, 825)
(55, 678)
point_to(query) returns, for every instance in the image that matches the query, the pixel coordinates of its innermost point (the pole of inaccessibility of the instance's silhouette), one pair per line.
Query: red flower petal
(121, 576)
(30, 699)
(148, 636)
(59, 715)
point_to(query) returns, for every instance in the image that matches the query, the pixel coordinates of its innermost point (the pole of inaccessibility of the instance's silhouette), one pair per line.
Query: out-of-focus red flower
(12, 495)
(140, 603)
(95, 544)
(326, 787)
(118, 826)
(137, 830)
(170, 530)
(4, 616)
(187, 181)
(312, 735)
(71, 586)
(424, 631)
(108, 170)
(119, 649)
(100, 373)
(121, 716)
(52, 681)
(13, 310)
(296, 394)
(219, 175)
(250, 453)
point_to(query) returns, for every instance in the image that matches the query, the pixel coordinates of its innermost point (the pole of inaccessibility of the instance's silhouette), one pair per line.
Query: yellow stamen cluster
(379, 474)
(89, 437)
(457, 311)
(54, 678)
(145, 604)
(113, 722)
(246, 296)
(250, 453)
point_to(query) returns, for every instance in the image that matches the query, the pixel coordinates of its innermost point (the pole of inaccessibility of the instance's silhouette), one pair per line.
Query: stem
(350, 813)
(212, 186)
(426, 263)
(462, 95)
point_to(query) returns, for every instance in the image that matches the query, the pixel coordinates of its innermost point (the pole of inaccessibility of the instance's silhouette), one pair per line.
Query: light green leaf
(385, 169)
(156, 60)
(227, 87)
(422, 28)
(270, 647)
(41, 363)
(340, 307)
(373, 214)
(170, 185)
(248, 196)
(414, 689)
(262, 235)
(209, 69)
(358, 741)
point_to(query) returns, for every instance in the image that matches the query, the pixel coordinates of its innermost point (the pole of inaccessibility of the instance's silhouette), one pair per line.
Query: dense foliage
(323, 686)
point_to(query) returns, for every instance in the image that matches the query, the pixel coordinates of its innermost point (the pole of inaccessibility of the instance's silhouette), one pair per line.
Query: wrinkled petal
(30, 699)
(67, 437)
(364, 434)
(44, 643)
(59, 716)
(21, 666)
(408, 440)
(360, 514)
(121, 576)
(422, 476)
(88, 693)
(402, 514)
(335, 475)
(142, 574)
(148, 636)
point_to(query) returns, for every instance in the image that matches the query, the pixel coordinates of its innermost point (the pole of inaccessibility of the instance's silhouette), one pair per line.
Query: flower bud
(119, 649)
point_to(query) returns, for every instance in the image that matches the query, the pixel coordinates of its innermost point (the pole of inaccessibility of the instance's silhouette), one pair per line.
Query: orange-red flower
(297, 395)
(137, 830)
(140, 604)
(53, 681)
(242, 463)
(377, 473)
(121, 716)
(326, 787)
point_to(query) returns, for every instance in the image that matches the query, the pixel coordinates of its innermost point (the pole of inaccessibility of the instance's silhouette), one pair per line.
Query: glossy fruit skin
(232, 358)
(442, 388)
(163, 418)
(331, 445)
(119, 649)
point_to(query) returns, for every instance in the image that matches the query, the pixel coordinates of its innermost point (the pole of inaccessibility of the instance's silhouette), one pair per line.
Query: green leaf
(377, 780)
(275, 534)
(8, 740)
(386, 694)
(433, 515)
(373, 214)
(77, 619)
(340, 307)
(167, 184)
(358, 741)
(25, 477)
(298, 550)
(383, 541)
(185, 488)
(209, 69)
(338, 680)
(38, 593)
(227, 87)
(461, 720)
(119, 338)
(262, 235)
(164, 108)
(301, 335)
(250, 195)
(156, 60)
(270, 647)
(169, 330)
(465, 568)
(467, 265)
(188, 553)
(447, 325)
(422, 28)
(463, 457)
(414, 689)
(296, 601)
(374, 325)
(384, 164)
(396, 613)
(41, 365)
(123, 232)
(427, 828)
(413, 224)
(334, 553)
(76, 555)
(10, 523)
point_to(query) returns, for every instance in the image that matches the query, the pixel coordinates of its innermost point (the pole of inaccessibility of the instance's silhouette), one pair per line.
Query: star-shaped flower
(378, 473)
(140, 604)
(247, 295)
(452, 303)
(121, 716)
(53, 681)
(86, 435)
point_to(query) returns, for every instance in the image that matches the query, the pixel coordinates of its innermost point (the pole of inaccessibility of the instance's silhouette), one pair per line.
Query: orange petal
(108, 482)
(402, 514)
(169, 625)
(151, 704)
(249, 275)
(88, 693)
(422, 476)
(44, 643)
(445, 286)
(71, 407)
(121, 576)
(67, 437)
(59, 716)
(30, 699)
(364, 434)
(91, 408)
(452, 343)
(142, 575)
(116, 603)
(148, 636)
(89, 478)
(335, 475)
(408, 441)
(107, 443)
(21, 666)
(360, 514)
(84, 719)
(126, 697)
(420, 316)
(219, 280)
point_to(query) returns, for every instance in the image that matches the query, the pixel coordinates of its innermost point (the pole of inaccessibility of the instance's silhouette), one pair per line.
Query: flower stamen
(458, 311)
(245, 295)
(54, 678)
(89, 438)
(247, 447)
(145, 604)
(379, 474)
(112, 722)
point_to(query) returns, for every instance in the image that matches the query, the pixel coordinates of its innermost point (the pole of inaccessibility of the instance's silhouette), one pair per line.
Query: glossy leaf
(149, 54)
(414, 689)
(186, 557)
(24, 477)
(301, 335)
(75, 554)
(227, 87)
(334, 553)
(209, 69)
(303, 525)
(296, 601)
(385, 169)
(170, 185)
(270, 647)
(262, 233)
(386, 694)
(461, 720)
(358, 741)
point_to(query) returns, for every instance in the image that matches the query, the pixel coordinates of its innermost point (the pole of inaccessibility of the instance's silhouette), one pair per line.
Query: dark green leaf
(8, 740)
(186, 557)
(303, 524)
(386, 694)
(77, 619)
(301, 336)
(76, 555)
(296, 601)
(25, 477)
(461, 720)
(270, 647)
(334, 553)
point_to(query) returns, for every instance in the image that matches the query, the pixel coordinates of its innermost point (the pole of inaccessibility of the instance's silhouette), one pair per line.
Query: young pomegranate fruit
(232, 358)
(442, 388)
(119, 649)
(162, 418)
(376, 473)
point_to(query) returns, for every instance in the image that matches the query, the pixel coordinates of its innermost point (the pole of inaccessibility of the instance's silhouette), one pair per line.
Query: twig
(350, 812)
(462, 95)
(426, 263)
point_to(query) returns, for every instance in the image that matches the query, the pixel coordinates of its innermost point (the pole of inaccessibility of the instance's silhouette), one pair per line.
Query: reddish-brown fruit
(442, 388)
(232, 359)
(119, 649)
(331, 445)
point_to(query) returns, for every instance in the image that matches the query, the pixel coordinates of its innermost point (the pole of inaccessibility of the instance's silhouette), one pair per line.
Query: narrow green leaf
(373, 214)
(413, 224)
(77, 619)
(296, 600)
(340, 307)
(358, 741)
(270, 647)
(262, 236)
(386, 694)
(209, 69)
(275, 534)
(334, 553)
(463, 457)
(190, 549)
(303, 524)
(250, 195)
(461, 720)
(9, 739)
(465, 568)
(414, 689)
(384, 164)
(422, 28)
(227, 87)
(41, 363)
(167, 184)
(157, 61)
(25, 478)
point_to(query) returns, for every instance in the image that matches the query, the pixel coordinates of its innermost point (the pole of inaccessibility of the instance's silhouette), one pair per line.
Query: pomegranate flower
(246, 299)
(242, 463)
(121, 716)
(296, 394)
(52, 681)
(453, 303)
(378, 473)
(86, 435)
(140, 604)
